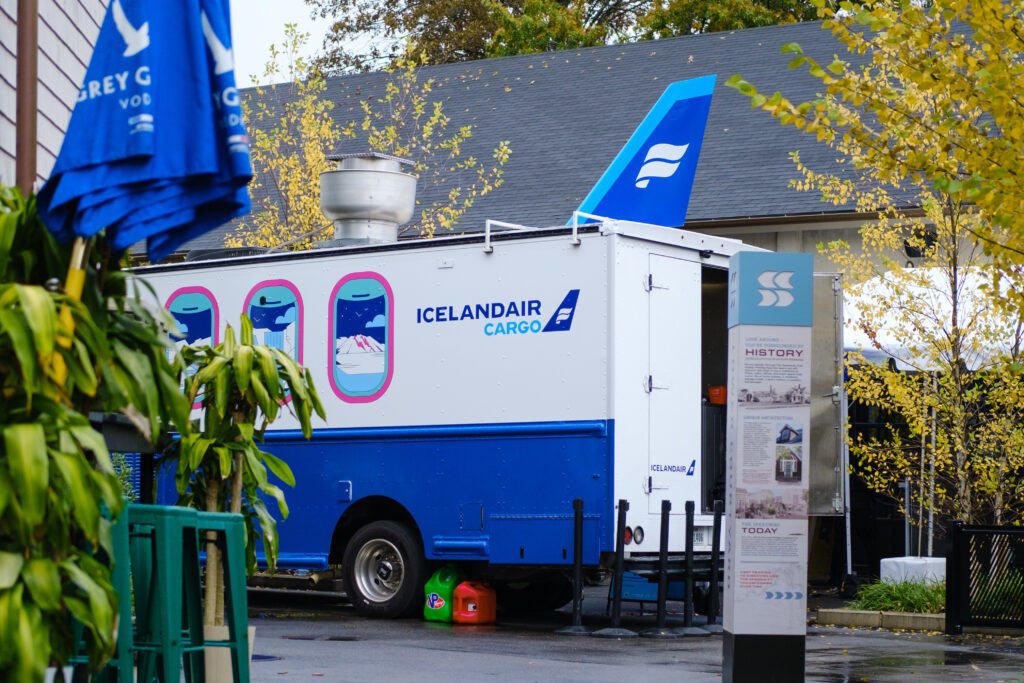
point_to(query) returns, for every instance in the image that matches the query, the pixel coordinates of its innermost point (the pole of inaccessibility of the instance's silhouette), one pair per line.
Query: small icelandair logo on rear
(776, 285)
(662, 161)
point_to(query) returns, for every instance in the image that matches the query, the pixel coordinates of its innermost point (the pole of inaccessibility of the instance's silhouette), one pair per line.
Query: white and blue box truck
(474, 387)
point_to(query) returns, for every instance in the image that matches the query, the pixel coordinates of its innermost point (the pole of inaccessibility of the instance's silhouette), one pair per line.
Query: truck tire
(384, 570)
(537, 595)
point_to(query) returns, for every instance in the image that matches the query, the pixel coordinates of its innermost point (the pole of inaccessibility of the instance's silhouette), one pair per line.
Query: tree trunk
(214, 592)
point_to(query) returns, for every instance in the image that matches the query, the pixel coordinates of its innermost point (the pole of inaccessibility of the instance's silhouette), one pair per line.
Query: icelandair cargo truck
(474, 387)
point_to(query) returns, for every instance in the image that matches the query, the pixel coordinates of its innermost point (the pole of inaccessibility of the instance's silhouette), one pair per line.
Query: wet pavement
(311, 636)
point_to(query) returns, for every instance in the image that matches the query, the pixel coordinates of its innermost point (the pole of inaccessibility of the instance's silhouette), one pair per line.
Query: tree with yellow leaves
(952, 323)
(405, 124)
(957, 93)
(293, 132)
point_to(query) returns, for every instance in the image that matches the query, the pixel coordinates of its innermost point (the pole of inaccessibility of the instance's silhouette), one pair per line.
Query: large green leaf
(268, 528)
(278, 494)
(314, 397)
(222, 391)
(267, 404)
(5, 490)
(8, 228)
(29, 467)
(41, 315)
(10, 569)
(43, 582)
(223, 459)
(14, 325)
(293, 373)
(256, 468)
(268, 370)
(77, 475)
(80, 368)
(99, 603)
(31, 646)
(92, 441)
(143, 386)
(279, 467)
(247, 339)
(229, 344)
(243, 366)
(208, 371)
(10, 605)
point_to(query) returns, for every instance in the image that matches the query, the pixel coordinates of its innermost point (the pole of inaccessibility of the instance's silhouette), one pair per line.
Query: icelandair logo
(776, 285)
(513, 317)
(662, 161)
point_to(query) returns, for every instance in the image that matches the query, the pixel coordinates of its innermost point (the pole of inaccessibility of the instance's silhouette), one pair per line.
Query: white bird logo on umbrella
(135, 39)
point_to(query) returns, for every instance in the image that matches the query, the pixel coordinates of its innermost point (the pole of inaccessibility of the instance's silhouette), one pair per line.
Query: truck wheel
(384, 570)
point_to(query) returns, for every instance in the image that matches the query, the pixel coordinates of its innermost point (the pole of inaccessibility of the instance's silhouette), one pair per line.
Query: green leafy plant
(219, 467)
(124, 472)
(907, 596)
(58, 490)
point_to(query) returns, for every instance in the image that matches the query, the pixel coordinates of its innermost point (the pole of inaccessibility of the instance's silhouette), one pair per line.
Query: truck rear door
(673, 382)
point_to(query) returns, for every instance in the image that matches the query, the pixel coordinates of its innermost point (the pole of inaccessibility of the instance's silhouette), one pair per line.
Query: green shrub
(124, 472)
(909, 596)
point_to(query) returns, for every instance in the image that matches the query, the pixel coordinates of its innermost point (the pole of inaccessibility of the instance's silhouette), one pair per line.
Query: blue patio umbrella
(156, 148)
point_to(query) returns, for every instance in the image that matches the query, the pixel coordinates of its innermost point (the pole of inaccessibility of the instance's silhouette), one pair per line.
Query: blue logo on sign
(435, 601)
(561, 319)
(768, 288)
(651, 178)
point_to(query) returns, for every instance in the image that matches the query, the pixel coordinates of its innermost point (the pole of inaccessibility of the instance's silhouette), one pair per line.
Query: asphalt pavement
(318, 636)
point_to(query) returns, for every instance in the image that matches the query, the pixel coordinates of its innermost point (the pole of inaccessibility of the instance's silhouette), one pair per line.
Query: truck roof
(504, 232)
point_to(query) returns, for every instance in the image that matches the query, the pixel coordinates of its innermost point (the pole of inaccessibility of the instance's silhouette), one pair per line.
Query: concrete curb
(895, 620)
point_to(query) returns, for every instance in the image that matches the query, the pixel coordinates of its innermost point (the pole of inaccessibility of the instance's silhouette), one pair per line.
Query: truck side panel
(469, 388)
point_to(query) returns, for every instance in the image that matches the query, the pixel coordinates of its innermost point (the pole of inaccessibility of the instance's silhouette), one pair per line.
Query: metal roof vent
(367, 198)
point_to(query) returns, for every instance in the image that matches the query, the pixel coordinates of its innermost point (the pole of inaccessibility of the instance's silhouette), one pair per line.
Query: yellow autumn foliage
(292, 133)
(930, 146)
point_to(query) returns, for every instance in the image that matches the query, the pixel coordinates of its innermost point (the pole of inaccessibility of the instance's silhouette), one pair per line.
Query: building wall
(67, 31)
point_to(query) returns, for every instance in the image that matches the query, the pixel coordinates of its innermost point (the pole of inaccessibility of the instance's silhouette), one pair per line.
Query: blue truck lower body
(500, 493)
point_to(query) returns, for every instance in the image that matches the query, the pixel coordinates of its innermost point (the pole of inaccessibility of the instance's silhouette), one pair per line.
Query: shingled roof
(567, 114)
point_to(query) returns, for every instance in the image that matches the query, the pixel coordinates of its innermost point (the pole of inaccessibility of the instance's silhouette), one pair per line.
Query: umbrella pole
(74, 284)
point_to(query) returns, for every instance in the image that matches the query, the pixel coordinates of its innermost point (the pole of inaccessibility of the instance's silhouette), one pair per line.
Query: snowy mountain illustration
(359, 355)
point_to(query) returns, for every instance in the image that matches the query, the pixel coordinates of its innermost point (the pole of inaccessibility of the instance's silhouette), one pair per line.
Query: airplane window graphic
(361, 325)
(275, 309)
(195, 311)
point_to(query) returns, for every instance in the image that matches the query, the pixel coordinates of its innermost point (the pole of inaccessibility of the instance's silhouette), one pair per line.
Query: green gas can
(439, 591)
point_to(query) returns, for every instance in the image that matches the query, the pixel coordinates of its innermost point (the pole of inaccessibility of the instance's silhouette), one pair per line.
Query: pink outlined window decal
(361, 349)
(275, 309)
(195, 311)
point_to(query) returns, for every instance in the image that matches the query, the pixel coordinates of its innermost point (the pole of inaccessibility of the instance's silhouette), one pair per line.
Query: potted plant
(58, 491)
(242, 388)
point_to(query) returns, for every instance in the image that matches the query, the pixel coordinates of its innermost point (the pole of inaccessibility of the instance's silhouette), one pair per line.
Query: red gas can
(474, 603)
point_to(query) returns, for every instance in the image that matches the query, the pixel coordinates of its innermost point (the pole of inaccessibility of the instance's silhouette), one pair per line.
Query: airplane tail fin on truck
(650, 179)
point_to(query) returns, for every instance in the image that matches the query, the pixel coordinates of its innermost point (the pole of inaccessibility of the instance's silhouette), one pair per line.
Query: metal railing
(985, 577)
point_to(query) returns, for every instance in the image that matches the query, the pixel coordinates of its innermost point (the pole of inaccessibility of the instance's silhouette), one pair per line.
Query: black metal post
(146, 478)
(577, 628)
(688, 629)
(688, 605)
(659, 630)
(954, 582)
(620, 551)
(716, 545)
